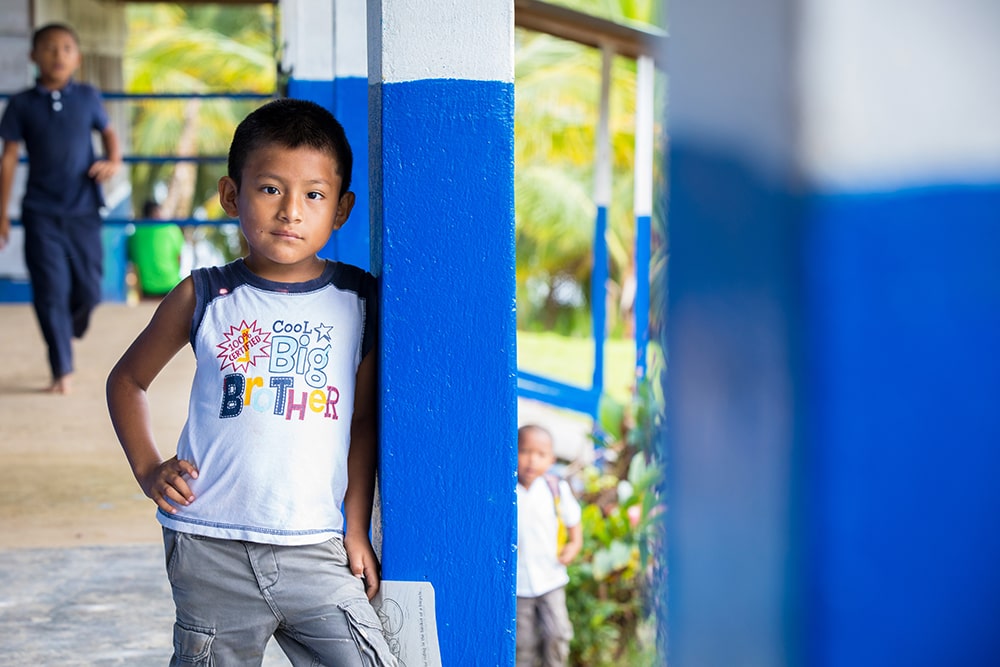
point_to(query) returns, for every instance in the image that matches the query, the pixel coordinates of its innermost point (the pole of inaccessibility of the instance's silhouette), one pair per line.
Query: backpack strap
(562, 535)
(553, 483)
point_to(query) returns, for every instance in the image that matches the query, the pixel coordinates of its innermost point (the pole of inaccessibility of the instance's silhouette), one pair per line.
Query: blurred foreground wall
(834, 317)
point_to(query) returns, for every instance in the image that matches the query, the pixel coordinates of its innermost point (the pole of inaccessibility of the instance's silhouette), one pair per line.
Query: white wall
(899, 92)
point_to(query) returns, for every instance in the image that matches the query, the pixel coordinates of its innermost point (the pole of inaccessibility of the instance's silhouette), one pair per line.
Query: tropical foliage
(557, 86)
(192, 49)
(614, 581)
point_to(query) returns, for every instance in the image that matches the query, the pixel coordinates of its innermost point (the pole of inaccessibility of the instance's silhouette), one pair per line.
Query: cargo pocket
(367, 633)
(193, 646)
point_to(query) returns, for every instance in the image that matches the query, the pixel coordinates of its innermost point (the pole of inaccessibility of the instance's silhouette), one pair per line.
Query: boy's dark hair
(291, 123)
(533, 428)
(49, 28)
(149, 208)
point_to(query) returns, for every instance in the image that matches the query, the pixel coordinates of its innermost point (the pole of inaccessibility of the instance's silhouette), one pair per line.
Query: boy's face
(534, 456)
(288, 204)
(57, 56)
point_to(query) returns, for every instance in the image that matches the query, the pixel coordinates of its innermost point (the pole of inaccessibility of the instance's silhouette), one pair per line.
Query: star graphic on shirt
(323, 332)
(243, 345)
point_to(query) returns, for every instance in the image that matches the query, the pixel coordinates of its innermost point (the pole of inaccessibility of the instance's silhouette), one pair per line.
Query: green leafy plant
(612, 578)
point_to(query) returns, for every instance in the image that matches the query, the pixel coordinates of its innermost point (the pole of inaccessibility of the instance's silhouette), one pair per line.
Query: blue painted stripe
(448, 417)
(14, 291)
(320, 92)
(351, 109)
(347, 100)
(905, 327)
(114, 241)
(643, 243)
(598, 295)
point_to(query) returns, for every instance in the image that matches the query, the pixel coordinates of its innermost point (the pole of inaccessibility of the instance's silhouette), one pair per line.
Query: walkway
(81, 565)
(85, 606)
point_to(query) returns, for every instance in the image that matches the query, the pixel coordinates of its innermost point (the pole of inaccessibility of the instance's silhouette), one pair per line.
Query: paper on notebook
(409, 621)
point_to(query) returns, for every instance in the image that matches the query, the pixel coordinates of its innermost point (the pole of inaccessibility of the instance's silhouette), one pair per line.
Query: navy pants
(64, 256)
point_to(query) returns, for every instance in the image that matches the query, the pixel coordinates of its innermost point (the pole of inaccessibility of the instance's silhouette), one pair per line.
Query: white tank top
(269, 419)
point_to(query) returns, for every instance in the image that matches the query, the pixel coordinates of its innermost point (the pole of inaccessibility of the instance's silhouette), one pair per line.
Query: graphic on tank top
(292, 354)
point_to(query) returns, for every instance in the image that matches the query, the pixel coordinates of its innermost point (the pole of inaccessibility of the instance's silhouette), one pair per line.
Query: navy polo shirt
(56, 128)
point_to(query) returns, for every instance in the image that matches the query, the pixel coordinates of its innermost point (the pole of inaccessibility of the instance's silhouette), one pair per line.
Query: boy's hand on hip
(363, 562)
(167, 484)
(102, 170)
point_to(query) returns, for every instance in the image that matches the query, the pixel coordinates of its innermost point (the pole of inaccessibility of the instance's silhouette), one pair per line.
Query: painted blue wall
(445, 250)
(903, 421)
(351, 109)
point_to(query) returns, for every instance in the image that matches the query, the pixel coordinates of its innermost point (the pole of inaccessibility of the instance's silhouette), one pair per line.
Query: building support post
(442, 118)
(833, 326)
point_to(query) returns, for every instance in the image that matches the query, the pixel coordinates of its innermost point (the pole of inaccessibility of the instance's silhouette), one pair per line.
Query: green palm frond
(557, 94)
(193, 49)
(554, 210)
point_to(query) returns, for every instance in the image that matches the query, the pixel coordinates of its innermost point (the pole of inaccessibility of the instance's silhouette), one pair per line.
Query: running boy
(543, 626)
(62, 202)
(281, 424)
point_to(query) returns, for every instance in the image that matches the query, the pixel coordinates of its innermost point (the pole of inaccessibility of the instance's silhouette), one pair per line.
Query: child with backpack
(549, 537)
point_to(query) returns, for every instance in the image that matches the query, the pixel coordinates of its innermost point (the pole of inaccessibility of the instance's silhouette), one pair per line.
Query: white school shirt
(538, 568)
(269, 419)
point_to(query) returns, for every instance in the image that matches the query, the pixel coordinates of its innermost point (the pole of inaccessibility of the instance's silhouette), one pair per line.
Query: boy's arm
(104, 169)
(8, 165)
(573, 518)
(361, 462)
(128, 404)
(573, 544)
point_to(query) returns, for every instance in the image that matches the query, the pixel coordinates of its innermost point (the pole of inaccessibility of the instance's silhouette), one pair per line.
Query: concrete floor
(85, 606)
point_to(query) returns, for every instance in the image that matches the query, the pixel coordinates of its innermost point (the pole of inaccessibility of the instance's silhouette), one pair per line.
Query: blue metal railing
(560, 394)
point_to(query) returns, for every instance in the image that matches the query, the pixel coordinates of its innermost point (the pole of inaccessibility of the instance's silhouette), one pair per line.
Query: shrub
(611, 580)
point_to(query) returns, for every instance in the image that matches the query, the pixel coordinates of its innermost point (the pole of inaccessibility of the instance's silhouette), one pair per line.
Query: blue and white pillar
(442, 119)
(325, 56)
(642, 170)
(834, 316)
(602, 202)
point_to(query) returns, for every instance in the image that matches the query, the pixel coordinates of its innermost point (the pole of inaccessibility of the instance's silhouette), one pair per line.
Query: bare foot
(61, 385)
